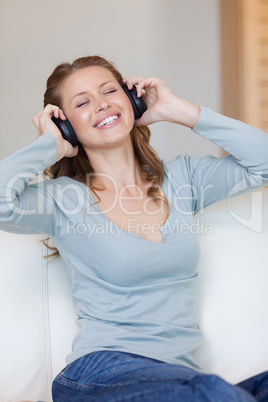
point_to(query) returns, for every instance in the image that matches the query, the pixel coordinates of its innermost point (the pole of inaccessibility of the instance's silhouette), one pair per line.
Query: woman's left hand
(162, 104)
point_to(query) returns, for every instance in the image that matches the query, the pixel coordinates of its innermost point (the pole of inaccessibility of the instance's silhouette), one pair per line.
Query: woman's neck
(116, 168)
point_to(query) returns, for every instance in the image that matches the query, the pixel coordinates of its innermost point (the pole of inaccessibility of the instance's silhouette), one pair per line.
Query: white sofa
(38, 321)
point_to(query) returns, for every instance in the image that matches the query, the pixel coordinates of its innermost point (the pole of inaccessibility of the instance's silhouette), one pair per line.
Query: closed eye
(110, 92)
(82, 104)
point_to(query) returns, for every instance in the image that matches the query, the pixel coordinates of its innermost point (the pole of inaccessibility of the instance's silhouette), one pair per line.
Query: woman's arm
(25, 207)
(247, 144)
(211, 179)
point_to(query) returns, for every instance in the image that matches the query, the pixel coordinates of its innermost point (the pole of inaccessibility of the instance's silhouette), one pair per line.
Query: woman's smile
(108, 121)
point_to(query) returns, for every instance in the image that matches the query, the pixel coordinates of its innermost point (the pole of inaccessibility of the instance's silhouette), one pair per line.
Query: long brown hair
(79, 167)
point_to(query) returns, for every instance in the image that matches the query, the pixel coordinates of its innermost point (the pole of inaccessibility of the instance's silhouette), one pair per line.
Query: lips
(107, 120)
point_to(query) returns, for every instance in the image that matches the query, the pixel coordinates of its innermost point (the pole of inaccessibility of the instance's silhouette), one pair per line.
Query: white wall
(177, 40)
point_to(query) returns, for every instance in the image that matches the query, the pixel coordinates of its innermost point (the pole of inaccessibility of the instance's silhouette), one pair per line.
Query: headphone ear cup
(66, 130)
(138, 103)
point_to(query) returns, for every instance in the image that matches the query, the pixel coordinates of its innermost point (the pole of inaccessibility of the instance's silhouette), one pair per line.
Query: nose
(102, 104)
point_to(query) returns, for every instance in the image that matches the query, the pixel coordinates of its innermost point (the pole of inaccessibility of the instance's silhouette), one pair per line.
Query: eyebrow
(85, 92)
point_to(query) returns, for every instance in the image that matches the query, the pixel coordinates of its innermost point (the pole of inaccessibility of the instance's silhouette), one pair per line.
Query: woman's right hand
(44, 124)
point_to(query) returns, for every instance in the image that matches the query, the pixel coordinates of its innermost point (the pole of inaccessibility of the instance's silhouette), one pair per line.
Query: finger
(141, 87)
(62, 115)
(52, 110)
(146, 83)
(131, 81)
(139, 82)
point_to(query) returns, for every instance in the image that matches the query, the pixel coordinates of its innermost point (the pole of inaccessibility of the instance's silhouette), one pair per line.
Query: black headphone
(138, 105)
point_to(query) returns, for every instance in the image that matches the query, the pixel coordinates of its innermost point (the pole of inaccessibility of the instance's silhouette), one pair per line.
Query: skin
(92, 94)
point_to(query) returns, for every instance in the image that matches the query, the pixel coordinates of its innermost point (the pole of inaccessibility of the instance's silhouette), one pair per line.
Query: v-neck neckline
(163, 228)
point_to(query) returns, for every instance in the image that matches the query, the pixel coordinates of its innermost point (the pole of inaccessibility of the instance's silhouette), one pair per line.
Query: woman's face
(97, 107)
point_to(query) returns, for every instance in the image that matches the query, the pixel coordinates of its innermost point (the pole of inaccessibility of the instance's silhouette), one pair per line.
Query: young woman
(121, 220)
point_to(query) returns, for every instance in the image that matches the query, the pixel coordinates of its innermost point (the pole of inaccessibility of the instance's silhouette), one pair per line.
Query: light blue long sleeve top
(132, 294)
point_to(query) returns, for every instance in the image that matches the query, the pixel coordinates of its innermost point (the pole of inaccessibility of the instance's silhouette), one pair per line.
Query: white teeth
(108, 120)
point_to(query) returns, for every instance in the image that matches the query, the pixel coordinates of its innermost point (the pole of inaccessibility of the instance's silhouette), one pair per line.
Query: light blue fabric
(131, 294)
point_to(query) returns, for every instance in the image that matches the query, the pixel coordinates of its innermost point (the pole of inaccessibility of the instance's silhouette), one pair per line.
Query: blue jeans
(109, 376)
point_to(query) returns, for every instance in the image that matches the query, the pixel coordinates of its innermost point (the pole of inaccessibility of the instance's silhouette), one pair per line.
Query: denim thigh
(257, 386)
(111, 376)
